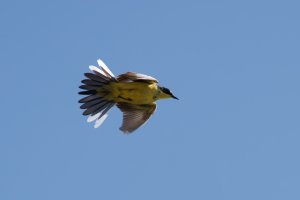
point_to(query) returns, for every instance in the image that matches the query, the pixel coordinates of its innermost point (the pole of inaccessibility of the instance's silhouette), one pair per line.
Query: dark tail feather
(107, 108)
(88, 98)
(89, 92)
(101, 109)
(91, 103)
(89, 87)
(97, 77)
(91, 82)
(96, 108)
(95, 103)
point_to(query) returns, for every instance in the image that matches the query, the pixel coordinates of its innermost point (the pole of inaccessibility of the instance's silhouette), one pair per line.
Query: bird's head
(166, 93)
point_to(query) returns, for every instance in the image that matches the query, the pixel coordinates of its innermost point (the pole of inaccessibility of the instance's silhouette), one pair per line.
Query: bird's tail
(96, 103)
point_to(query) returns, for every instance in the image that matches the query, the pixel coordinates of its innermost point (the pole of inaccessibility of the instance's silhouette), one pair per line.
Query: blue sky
(233, 135)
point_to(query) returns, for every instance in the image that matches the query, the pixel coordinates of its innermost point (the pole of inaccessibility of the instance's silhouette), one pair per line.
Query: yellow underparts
(134, 92)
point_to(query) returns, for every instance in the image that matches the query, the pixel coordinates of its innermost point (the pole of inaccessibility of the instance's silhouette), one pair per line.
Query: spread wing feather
(135, 116)
(132, 77)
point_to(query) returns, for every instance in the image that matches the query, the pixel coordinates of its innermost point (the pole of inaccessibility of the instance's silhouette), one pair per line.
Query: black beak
(174, 97)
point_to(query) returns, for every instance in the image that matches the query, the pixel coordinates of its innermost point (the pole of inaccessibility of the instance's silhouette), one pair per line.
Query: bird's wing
(135, 115)
(131, 77)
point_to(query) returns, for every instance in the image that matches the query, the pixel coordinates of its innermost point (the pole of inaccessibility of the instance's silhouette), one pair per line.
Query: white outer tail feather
(100, 121)
(103, 65)
(94, 68)
(93, 118)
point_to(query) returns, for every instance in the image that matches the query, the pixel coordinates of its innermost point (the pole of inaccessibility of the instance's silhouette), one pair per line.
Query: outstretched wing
(132, 77)
(135, 115)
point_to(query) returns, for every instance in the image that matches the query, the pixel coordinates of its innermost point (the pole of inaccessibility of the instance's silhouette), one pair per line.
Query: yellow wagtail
(133, 93)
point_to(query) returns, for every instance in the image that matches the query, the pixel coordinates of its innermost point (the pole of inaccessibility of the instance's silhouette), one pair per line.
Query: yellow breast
(134, 92)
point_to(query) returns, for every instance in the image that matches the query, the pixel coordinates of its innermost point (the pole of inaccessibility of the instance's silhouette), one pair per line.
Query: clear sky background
(233, 135)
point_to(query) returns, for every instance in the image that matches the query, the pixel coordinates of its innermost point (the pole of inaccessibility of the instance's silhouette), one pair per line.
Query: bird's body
(135, 94)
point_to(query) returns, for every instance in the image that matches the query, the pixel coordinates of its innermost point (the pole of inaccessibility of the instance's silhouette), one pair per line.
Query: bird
(133, 93)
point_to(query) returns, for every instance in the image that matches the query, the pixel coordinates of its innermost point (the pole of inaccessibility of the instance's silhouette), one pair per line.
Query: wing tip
(126, 132)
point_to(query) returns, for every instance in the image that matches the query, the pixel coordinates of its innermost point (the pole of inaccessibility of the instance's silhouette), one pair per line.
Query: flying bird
(134, 94)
